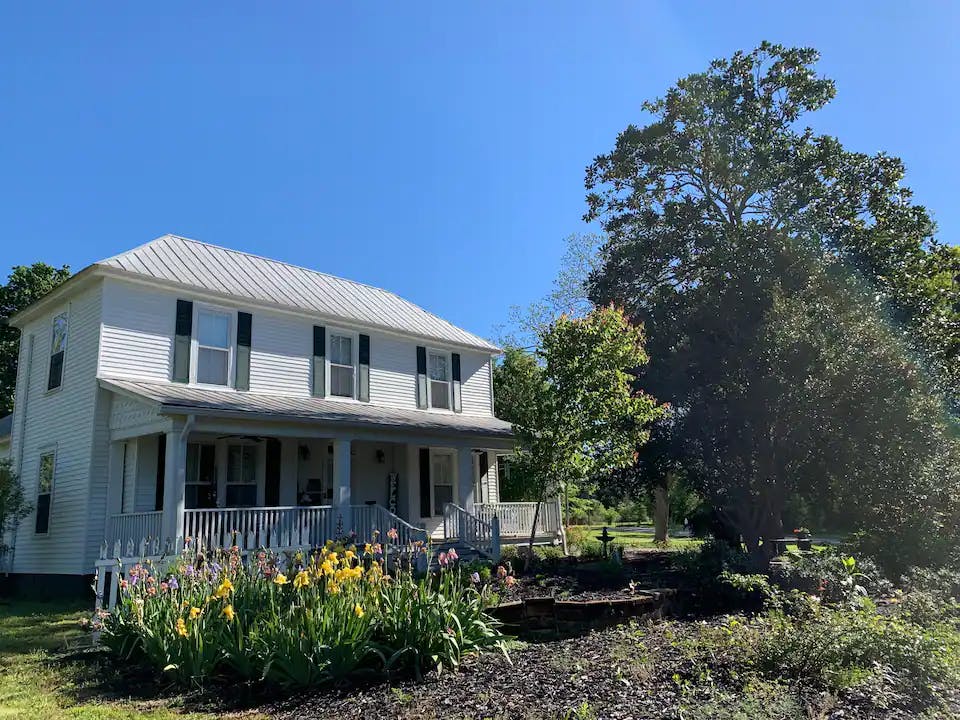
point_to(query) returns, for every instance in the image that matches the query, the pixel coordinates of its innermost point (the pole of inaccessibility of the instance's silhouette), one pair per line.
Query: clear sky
(435, 149)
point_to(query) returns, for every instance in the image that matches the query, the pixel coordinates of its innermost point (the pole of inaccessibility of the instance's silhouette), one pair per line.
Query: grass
(642, 540)
(48, 671)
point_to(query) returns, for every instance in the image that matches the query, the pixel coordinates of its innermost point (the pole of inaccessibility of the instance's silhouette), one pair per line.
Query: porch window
(341, 365)
(438, 367)
(241, 476)
(213, 348)
(58, 347)
(442, 477)
(200, 487)
(45, 491)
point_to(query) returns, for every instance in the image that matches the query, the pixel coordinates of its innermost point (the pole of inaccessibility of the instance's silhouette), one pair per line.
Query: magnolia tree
(802, 319)
(572, 402)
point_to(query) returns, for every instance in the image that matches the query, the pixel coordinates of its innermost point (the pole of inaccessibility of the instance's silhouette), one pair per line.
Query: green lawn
(641, 540)
(45, 674)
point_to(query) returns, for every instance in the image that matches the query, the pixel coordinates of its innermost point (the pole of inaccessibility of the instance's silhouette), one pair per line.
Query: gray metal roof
(183, 399)
(6, 426)
(230, 272)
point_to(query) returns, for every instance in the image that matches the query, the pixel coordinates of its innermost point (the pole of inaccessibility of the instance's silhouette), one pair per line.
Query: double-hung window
(341, 365)
(200, 488)
(438, 372)
(241, 476)
(441, 476)
(58, 347)
(213, 347)
(48, 462)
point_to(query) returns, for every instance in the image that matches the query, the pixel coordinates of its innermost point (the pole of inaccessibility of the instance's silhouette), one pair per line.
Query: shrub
(295, 621)
(831, 575)
(835, 648)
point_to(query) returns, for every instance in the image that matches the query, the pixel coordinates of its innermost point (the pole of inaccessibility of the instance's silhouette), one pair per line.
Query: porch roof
(176, 399)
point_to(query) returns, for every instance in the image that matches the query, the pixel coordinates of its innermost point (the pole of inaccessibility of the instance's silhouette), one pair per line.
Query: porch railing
(516, 518)
(134, 527)
(481, 535)
(368, 519)
(268, 527)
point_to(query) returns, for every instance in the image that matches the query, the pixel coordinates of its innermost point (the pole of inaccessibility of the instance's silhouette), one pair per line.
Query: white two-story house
(183, 390)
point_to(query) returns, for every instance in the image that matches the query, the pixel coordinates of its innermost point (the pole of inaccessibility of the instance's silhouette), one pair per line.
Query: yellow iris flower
(228, 613)
(225, 587)
(181, 627)
(195, 613)
(357, 610)
(280, 579)
(301, 580)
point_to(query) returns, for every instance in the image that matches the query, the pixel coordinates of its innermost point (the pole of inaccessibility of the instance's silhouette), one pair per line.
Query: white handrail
(256, 527)
(481, 535)
(516, 518)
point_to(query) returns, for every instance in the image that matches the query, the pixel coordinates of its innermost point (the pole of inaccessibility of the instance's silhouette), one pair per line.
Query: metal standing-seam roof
(175, 259)
(183, 399)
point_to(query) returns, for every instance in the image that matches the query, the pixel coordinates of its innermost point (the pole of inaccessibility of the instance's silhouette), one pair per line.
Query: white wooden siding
(129, 413)
(138, 330)
(65, 419)
(475, 383)
(146, 485)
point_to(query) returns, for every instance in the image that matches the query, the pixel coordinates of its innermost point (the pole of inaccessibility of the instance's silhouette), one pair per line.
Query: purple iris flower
(172, 583)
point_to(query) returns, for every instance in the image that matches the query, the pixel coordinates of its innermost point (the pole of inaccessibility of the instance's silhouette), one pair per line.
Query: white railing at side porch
(481, 535)
(516, 518)
(371, 523)
(262, 527)
(127, 528)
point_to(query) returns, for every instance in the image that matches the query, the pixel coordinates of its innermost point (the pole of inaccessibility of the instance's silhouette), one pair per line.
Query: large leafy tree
(761, 258)
(25, 285)
(572, 403)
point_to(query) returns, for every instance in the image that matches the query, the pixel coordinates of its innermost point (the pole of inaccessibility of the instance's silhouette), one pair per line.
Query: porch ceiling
(175, 399)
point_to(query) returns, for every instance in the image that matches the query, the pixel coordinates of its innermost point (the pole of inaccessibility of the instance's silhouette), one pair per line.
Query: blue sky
(435, 149)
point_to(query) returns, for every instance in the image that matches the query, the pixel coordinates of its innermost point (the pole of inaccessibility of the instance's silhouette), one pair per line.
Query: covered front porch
(223, 478)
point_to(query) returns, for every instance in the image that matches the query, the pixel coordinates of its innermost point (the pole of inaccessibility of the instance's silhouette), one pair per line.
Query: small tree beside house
(572, 402)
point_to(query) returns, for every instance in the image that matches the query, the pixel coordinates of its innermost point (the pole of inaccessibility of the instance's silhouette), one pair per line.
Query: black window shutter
(161, 472)
(455, 375)
(55, 376)
(484, 470)
(43, 513)
(425, 499)
(421, 377)
(181, 344)
(319, 361)
(363, 386)
(244, 338)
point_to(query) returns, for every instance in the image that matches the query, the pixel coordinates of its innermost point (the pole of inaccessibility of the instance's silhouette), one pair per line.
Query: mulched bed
(573, 579)
(625, 673)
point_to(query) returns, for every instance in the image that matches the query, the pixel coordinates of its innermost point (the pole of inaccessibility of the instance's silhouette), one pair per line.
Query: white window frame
(258, 460)
(451, 456)
(446, 354)
(231, 349)
(63, 364)
(355, 358)
(44, 451)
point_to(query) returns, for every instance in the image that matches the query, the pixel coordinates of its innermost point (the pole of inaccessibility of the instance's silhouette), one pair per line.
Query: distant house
(186, 390)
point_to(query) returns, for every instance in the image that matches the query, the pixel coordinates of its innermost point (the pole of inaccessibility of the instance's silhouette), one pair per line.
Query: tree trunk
(661, 513)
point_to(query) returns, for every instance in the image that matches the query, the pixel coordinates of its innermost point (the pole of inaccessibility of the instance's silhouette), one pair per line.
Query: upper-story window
(213, 347)
(438, 371)
(342, 368)
(58, 347)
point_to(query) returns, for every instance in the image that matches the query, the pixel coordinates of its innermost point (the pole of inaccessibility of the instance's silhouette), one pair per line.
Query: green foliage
(787, 287)
(831, 575)
(837, 647)
(13, 505)
(573, 408)
(25, 285)
(299, 621)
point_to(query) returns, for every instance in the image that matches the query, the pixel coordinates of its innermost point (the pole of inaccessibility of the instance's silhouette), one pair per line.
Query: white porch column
(114, 489)
(174, 480)
(341, 478)
(465, 467)
(289, 459)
